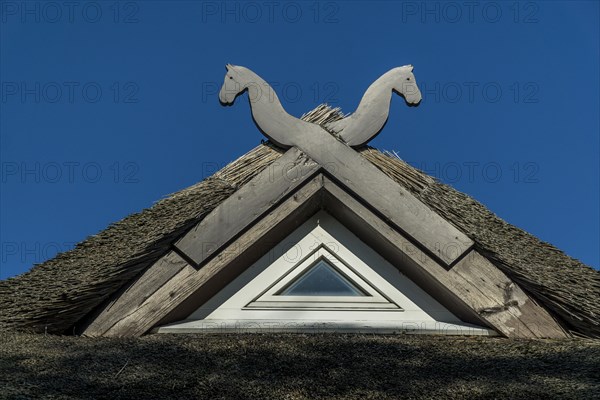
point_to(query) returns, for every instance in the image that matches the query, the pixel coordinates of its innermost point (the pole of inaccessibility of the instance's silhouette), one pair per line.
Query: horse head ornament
(356, 129)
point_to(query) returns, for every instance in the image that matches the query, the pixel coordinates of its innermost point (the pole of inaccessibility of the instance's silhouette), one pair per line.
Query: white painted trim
(250, 298)
(270, 300)
(307, 326)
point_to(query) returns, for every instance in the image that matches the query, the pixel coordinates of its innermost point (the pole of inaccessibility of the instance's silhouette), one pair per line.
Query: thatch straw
(55, 295)
(294, 366)
(323, 115)
(565, 286)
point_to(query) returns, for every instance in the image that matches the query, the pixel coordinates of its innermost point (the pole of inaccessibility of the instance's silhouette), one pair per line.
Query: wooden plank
(514, 308)
(394, 203)
(246, 205)
(190, 283)
(540, 321)
(411, 260)
(139, 291)
(473, 289)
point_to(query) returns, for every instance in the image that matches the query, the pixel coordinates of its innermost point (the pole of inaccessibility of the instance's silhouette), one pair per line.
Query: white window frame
(373, 300)
(230, 304)
(232, 308)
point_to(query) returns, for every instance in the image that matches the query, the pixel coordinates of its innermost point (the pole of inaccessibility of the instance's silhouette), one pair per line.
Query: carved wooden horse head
(238, 79)
(405, 84)
(285, 130)
(232, 86)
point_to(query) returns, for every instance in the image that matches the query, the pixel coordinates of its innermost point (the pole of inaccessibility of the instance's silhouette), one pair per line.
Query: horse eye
(231, 77)
(408, 79)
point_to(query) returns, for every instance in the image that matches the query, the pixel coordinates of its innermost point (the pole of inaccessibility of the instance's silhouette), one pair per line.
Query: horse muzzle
(226, 97)
(414, 98)
(411, 93)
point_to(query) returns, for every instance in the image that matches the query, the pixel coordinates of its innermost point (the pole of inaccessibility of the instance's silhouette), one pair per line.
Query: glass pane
(321, 280)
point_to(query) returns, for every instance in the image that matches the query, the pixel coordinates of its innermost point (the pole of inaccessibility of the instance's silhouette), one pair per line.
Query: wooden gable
(424, 246)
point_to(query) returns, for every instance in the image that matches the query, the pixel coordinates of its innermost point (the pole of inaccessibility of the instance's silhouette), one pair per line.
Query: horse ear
(411, 67)
(227, 66)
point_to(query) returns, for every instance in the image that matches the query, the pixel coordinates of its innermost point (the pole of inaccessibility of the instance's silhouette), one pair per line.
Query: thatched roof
(55, 295)
(294, 366)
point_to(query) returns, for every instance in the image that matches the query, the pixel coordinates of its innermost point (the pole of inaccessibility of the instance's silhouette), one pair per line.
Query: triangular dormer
(322, 277)
(275, 203)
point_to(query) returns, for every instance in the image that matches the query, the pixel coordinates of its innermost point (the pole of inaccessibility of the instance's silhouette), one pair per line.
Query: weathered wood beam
(473, 288)
(503, 302)
(390, 200)
(394, 203)
(245, 206)
(178, 296)
(134, 295)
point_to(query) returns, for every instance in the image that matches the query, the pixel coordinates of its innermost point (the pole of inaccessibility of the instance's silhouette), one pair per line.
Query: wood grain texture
(390, 200)
(474, 288)
(189, 280)
(139, 291)
(246, 205)
(502, 302)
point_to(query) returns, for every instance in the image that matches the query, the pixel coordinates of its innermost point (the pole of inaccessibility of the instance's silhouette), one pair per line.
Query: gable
(382, 300)
(112, 273)
(473, 289)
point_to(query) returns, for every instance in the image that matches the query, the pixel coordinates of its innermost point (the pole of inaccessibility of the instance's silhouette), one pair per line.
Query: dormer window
(323, 281)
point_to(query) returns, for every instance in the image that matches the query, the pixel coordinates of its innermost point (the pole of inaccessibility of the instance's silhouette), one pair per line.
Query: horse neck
(261, 95)
(378, 96)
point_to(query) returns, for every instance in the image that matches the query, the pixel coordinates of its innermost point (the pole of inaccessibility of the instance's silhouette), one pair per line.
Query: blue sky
(107, 106)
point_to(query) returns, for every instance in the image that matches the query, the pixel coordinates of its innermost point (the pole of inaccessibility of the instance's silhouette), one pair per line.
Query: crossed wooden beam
(307, 141)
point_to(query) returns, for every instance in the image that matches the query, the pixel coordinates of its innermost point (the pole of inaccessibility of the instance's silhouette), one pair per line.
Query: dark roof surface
(269, 366)
(55, 295)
